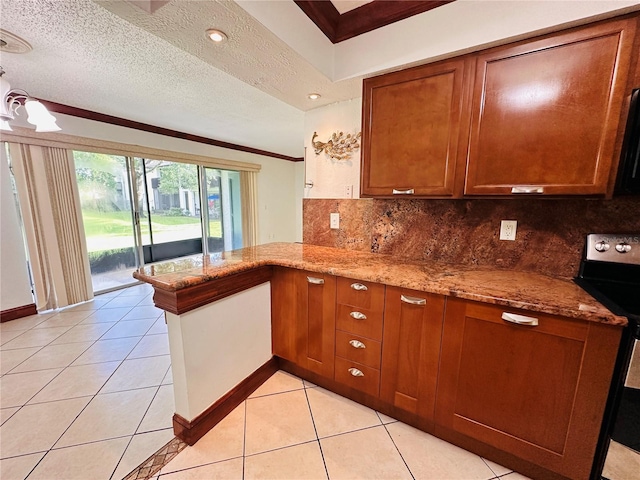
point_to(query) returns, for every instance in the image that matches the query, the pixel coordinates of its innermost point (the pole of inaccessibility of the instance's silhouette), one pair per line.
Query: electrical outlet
(348, 191)
(508, 229)
(334, 220)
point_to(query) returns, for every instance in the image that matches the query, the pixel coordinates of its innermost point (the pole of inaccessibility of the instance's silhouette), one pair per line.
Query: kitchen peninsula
(512, 365)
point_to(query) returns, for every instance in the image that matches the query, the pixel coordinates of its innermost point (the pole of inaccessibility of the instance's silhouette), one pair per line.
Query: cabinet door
(303, 318)
(545, 113)
(535, 391)
(411, 350)
(412, 123)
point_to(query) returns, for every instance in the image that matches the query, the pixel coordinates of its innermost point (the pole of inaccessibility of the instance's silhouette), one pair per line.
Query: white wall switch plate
(348, 191)
(508, 229)
(334, 220)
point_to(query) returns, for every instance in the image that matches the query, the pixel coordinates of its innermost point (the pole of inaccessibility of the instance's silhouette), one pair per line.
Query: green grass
(108, 230)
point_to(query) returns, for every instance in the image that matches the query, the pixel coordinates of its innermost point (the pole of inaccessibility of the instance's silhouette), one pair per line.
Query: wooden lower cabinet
(303, 318)
(411, 350)
(537, 392)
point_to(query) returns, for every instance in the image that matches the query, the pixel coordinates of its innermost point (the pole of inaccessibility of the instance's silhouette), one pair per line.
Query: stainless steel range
(610, 272)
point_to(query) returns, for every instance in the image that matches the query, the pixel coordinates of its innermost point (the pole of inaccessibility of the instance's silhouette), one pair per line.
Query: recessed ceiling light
(217, 36)
(313, 96)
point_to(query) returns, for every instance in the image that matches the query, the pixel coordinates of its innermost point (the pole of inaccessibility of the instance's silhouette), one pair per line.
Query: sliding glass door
(138, 211)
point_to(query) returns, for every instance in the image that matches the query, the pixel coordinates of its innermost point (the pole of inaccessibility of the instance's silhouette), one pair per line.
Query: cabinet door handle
(408, 191)
(527, 189)
(357, 344)
(360, 287)
(519, 319)
(358, 315)
(413, 300)
(355, 372)
(315, 280)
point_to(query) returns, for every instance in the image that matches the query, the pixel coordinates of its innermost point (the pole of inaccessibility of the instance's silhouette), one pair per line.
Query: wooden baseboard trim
(18, 312)
(192, 431)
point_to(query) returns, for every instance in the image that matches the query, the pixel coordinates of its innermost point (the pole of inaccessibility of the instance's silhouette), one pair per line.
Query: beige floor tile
(25, 323)
(168, 378)
(517, 476)
(18, 388)
(158, 327)
(134, 328)
(85, 332)
(160, 413)
(147, 301)
(366, 453)
(6, 337)
(108, 350)
(308, 384)
(278, 382)
(93, 460)
(277, 421)
(36, 337)
(499, 470)
(53, 356)
(297, 462)
(385, 418)
(622, 463)
(108, 416)
(137, 290)
(429, 457)
(222, 442)
(143, 311)
(35, 428)
(18, 468)
(94, 304)
(64, 319)
(333, 414)
(80, 381)
(138, 373)
(9, 359)
(151, 346)
(107, 315)
(5, 413)
(126, 301)
(227, 470)
(142, 446)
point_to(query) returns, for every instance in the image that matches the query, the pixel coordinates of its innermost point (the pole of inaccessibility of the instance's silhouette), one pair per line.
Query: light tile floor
(290, 429)
(85, 391)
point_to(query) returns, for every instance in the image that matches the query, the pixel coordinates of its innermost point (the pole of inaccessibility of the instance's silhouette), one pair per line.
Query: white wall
(15, 289)
(277, 201)
(330, 176)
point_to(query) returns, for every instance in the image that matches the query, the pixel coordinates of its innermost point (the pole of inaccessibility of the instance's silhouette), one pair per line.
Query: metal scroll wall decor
(339, 146)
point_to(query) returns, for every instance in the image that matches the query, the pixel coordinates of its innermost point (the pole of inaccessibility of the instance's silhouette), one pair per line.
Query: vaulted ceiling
(149, 61)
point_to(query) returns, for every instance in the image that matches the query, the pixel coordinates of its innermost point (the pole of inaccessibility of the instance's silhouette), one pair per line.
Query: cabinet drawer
(368, 382)
(360, 321)
(358, 349)
(361, 294)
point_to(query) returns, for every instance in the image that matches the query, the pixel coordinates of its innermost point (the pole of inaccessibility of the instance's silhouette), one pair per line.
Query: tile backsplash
(549, 239)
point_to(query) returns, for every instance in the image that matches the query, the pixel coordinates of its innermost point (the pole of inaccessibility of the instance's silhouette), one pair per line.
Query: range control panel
(614, 248)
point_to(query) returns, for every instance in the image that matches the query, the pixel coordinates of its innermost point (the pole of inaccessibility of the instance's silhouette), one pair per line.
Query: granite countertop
(524, 290)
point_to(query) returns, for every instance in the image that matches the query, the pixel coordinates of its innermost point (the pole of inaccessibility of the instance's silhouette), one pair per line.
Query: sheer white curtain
(50, 205)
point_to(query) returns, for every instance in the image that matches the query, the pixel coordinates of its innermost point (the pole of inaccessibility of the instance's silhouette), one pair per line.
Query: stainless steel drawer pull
(358, 315)
(355, 372)
(360, 287)
(408, 191)
(413, 300)
(527, 189)
(315, 281)
(357, 344)
(519, 319)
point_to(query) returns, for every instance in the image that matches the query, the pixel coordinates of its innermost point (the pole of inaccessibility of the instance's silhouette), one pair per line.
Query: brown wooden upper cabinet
(545, 113)
(412, 122)
(541, 116)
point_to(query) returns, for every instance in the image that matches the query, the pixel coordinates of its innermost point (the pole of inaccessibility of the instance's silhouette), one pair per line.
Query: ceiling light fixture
(217, 36)
(313, 96)
(12, 99)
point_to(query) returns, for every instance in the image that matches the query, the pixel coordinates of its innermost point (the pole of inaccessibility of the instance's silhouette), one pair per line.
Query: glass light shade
(40, 116)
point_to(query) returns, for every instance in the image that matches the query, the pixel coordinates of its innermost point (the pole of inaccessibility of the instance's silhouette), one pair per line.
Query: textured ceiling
(160, 69)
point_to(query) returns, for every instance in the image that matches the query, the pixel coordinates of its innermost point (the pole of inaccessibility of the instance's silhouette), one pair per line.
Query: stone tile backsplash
(549, 240)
